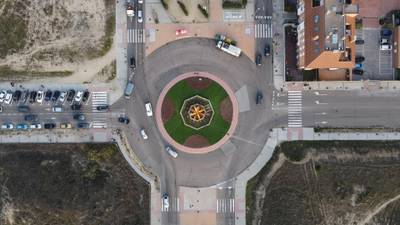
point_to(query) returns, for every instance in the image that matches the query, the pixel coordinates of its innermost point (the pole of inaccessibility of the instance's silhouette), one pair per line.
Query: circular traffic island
(197, 112)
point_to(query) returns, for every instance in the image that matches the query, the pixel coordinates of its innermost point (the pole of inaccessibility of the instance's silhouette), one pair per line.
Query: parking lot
(47, 109)
(378, 63)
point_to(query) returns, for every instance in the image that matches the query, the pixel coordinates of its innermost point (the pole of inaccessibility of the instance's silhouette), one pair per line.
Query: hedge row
(202, 10)
(183, 7)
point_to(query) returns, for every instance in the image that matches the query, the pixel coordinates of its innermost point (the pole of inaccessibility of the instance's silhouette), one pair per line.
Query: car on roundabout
(171, 151)
(143, 134)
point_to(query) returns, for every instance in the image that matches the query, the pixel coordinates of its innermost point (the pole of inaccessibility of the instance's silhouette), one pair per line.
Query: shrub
(164, 4)
(183, 7)
(202, 10)
(232, 5)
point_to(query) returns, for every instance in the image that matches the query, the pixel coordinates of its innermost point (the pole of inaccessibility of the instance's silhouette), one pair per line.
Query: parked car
(171, 151)
(86, 95)
(32, 96)
(25, 96)
(76, 107)
(71, 95)
(78, 97)
(259, 97)
(124, 120)
(23, 108)
(8, 97)
(36, 126)
(358, 71)
(17, 96)
(139, 16)
(385, 47)
(31, 117)
(102, 107)
(359, 42)
(47, 95)
(7, 126)
(83, 125)
(359, 59)
(165, 201)
(140, 1)
(65, 125)
(358, 65)
(55, 96)
(2, 95)
(128, 89)
(143, 134)
(132, 62)
(22, 126)
(79, 117)
(149, 109)
(57, 109)
(49, 125)
(258, 59)
(1, 109)
(39, 97)
(63, 96)
(267, 50)
(386, 32)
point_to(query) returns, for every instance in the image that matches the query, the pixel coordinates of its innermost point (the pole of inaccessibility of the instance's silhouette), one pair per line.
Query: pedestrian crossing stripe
(295, 109)
(263, 30)
(135, 36)
(225, 205)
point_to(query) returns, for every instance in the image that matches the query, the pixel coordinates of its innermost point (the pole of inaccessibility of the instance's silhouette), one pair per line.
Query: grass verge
(6, 73)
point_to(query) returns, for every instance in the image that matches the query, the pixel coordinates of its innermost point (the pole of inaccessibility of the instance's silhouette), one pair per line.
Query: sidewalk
(278, 136)
(278, 43)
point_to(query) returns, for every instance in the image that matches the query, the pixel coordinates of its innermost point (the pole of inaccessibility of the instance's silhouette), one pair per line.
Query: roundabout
(197, 112)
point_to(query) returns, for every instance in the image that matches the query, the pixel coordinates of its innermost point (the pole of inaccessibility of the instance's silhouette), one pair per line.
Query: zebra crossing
(263, 30)
(226, 205)
(172, 206)
(98, 99)
(295, 109)
(135, 36)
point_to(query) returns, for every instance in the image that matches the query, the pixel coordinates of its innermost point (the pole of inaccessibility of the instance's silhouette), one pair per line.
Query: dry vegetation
(47, 35)
(335, 183)
(58, 184)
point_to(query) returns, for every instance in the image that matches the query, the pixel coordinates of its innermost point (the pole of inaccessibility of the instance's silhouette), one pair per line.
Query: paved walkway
(289, 134)
(235, 113)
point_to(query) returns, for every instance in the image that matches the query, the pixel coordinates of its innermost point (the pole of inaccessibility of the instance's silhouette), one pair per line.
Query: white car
(8, 98)
(2, 95)
(36, 126)
(140, 1)
(149, 110)
(7, 126)
(140, 16)
(63, 96)
(78, 97)
(143, 133)
(165, 201)
(171, 151)
(39, 97)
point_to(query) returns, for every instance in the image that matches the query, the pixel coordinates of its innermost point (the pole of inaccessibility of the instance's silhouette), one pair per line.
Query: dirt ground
(335, 183)
(167, 109)
(53, 184)
(198, 83)
(55, 35)
(196, 141)
(226, 109)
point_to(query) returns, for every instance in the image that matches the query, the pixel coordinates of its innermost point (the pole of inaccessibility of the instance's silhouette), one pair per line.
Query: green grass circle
(175, 126)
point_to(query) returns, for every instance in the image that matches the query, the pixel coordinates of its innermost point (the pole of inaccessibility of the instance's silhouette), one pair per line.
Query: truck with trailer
(227, 45)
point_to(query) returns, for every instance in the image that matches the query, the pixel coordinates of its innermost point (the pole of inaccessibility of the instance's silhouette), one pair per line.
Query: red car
(180, 32)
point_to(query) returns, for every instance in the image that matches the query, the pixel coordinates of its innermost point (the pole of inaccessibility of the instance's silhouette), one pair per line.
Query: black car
(55, 96)
(258, 60)
(32, 96)
(49, 126)
(79, 117)
(47, 95)
(124, 120)
(71, 95)
(267, 50)
(359, 42)
(31, 117)
(85, 96)
(360, 59)
(83, 125)
(102, 107)
(23, 108)
(25, 96)
(132, 62)
(76, 107)
(358, 71)
(17, 95)
(259, 97)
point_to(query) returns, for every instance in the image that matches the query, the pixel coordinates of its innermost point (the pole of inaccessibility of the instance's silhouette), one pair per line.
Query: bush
(183, 7)
(202, 10)
(164, 4)
(232, 5)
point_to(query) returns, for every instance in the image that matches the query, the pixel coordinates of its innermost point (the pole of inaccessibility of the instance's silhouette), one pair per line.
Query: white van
(57, 109)
(149, 109)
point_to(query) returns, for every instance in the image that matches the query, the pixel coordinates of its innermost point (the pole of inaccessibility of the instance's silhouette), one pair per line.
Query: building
(326, 37)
